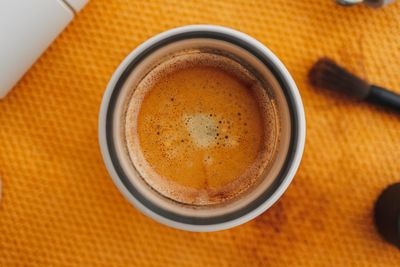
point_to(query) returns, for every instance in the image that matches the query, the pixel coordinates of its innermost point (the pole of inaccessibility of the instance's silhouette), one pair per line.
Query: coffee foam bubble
(205, 130)
(202, 129)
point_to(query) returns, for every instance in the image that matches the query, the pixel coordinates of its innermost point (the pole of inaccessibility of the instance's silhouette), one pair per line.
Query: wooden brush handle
(381, 96)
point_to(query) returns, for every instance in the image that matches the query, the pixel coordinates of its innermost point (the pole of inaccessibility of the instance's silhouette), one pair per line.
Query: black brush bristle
(327, 74)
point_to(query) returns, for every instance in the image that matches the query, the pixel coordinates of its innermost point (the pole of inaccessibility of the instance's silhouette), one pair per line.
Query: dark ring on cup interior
(266, 194)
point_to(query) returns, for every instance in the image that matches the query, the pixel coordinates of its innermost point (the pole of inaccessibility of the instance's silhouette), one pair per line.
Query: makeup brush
(371, 3)
(327, 74)
(387, 214)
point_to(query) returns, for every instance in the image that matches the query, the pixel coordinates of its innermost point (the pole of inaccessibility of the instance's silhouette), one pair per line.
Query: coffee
(201, 128)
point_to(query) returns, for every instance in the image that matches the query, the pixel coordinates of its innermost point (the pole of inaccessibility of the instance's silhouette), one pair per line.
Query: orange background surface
(60, 208)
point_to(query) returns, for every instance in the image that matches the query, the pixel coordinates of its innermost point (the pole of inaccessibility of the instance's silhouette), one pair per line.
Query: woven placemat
(60, 207)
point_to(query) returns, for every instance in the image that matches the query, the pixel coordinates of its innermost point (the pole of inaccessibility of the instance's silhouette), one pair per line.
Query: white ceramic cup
(127, 178)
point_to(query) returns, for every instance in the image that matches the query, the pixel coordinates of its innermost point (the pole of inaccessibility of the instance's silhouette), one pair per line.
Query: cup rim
(291, 93)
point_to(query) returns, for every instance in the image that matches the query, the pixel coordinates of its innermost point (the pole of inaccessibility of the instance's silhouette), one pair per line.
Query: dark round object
(387, 214)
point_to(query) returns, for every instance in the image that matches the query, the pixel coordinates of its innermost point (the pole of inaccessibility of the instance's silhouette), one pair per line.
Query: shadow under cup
(274, 179)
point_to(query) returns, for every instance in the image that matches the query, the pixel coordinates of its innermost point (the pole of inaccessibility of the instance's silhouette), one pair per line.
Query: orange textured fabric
(60, 207)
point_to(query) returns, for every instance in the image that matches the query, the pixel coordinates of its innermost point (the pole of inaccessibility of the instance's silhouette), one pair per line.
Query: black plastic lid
(387, 214)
